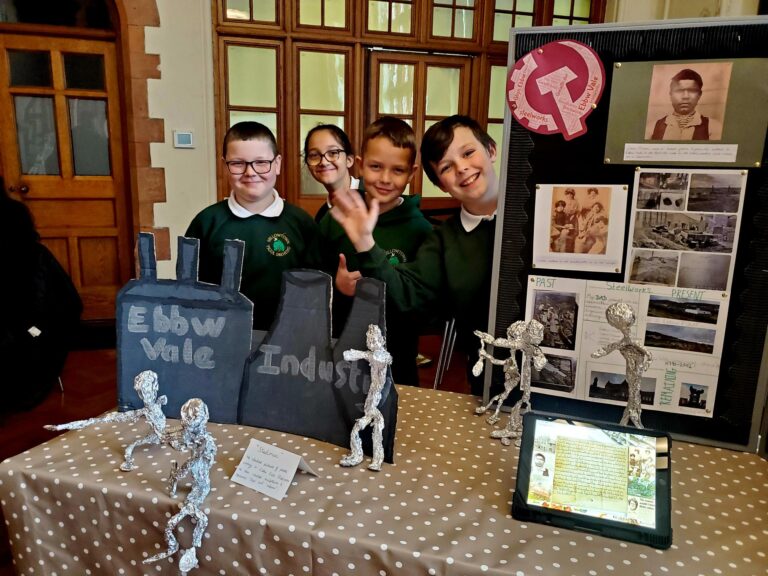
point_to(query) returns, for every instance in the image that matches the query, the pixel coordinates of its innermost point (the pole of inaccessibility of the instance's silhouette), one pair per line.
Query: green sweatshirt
(272, 245)
(451, 274)
(399, 232)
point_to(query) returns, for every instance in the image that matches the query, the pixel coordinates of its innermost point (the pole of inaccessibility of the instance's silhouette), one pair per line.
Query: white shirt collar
(354, 184)
(470, 221)
(272, 211)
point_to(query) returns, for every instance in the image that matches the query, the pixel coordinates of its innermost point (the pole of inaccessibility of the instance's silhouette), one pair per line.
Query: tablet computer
(596, 477)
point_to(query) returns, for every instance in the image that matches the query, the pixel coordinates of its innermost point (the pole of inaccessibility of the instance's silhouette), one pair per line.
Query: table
(443, 508)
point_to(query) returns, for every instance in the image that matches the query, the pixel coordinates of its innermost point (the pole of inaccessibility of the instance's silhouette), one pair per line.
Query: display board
(628, 204)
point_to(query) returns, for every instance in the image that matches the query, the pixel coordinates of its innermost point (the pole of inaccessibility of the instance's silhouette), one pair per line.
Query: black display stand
(533, 158)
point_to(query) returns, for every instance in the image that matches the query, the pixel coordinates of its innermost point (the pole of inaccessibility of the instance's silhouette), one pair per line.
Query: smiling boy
(451, 273)
(387, 164)
(278, 236)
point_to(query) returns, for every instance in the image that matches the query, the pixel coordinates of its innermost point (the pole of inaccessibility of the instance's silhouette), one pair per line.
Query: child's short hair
(439, 137)
(338, 134)
(397, 131)
(249, 131)
(570, 192)
(560, 203)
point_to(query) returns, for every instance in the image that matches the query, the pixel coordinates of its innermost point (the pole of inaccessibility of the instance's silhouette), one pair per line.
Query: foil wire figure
(637, 357)
(194, 437)
(511, 374)
(146, 387)
(379, 359)
(526, 337)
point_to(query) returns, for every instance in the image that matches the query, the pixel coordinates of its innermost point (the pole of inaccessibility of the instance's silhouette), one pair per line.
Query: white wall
(645, 10)
(183, 98)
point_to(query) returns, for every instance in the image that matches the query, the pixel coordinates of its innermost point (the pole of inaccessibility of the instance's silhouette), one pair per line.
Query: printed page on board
(683, 328)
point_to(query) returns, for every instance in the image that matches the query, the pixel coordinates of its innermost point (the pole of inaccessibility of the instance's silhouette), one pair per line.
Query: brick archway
(147, 184)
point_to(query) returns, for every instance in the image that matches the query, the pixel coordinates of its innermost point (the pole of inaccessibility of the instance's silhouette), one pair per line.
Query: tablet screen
(587, 470)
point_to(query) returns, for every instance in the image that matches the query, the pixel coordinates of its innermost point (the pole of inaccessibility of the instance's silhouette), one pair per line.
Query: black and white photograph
(657, 267)
(688, 101)
(683, 309)
(613, 386)
(704, 271)
(676, 337)
(558, 312)
(693, 231)
(715, 192)
(662, 190)
(693, 395)
(559, 373)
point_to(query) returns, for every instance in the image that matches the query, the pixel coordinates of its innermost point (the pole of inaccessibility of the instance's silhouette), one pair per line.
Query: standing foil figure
(146, 387)
(638, 358)
(526, 337)
(379, 359)
(511, 372)
(194, 437)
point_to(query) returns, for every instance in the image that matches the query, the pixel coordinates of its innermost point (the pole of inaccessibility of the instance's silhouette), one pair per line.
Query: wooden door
(62, 156)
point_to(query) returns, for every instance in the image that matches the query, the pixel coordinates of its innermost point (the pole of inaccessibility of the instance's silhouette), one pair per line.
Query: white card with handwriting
(269, 469)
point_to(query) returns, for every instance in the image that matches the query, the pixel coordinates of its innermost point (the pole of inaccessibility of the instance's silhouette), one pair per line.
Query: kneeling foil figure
(146, 387)
(193, 437)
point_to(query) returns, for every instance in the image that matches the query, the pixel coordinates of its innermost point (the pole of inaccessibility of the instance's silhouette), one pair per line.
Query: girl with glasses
(329, 156)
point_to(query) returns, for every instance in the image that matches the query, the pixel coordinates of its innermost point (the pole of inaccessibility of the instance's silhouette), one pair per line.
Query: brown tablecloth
(443, 508)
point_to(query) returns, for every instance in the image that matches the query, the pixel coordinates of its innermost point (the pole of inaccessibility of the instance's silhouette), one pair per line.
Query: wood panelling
(102, 258)
(77, 213)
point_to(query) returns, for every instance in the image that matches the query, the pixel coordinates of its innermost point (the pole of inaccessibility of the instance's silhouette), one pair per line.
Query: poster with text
(684, 228)
(683, 329)
(579, 227)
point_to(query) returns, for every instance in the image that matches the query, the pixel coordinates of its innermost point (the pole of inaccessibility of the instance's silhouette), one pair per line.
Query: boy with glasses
(278, 236)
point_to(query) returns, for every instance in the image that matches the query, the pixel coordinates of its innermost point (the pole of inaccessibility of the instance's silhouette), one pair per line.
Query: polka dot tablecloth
(443, 508)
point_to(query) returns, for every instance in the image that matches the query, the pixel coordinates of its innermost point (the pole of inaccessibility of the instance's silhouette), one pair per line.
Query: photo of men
(687, 102)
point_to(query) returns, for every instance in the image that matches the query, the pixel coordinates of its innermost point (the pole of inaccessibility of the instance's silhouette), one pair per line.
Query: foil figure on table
(193, 437)
(379, 359)
(146, 386)
(622, 317)
(526, 337)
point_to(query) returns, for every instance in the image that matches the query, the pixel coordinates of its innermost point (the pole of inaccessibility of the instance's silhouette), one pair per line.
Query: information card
(269, 469)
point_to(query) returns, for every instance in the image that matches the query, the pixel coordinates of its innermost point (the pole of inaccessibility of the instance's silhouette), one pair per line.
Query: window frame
(295, 161)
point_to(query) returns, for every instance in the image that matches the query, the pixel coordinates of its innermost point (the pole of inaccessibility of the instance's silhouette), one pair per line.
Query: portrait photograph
(704, 271)
(676, 337)
(558, 312)
(657, 267)
(662, 190)
(688, 113)
(688, 101)
(715, 192)
(683, 309)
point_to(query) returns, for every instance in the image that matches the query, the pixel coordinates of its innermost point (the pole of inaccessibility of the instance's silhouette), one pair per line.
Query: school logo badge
(555, 87)
(278, 244)
(396, 256)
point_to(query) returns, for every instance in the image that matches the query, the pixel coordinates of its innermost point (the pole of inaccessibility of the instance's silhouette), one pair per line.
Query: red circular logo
(555, 87)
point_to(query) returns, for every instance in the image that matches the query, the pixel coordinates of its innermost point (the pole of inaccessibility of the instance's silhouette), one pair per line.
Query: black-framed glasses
(314, 158)
(238, 167)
